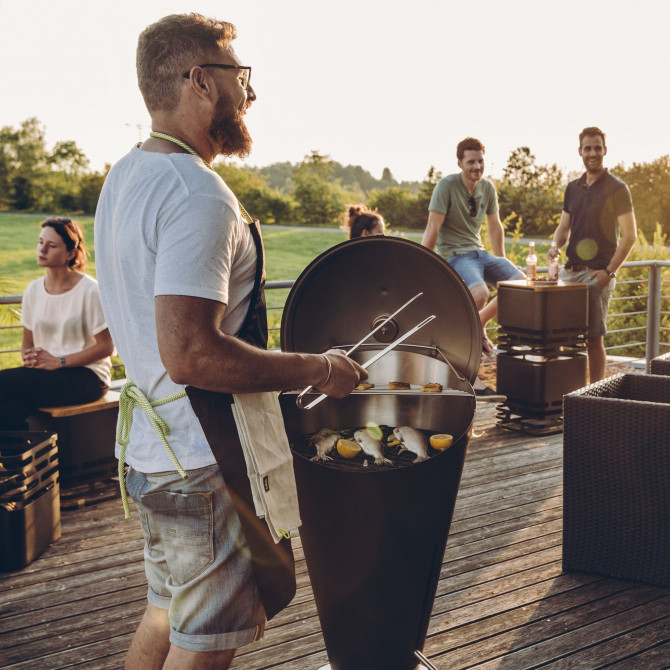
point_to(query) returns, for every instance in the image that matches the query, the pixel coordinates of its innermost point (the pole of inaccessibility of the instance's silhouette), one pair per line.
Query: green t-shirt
(460, 230)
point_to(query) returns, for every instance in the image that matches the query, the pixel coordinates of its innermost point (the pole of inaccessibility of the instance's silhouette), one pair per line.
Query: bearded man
(181, 280)
(598, 223)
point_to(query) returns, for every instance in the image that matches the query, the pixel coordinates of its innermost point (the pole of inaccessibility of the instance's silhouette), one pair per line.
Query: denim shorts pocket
(179, 526)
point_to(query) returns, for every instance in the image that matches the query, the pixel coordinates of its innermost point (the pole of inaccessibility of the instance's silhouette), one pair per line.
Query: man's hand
(344, 375)
(603, 278)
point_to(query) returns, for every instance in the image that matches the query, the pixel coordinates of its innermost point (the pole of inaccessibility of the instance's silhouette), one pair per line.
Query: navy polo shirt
(594, 211)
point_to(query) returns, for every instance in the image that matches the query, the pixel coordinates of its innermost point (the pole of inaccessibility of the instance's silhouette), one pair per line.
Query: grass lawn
(288, 252)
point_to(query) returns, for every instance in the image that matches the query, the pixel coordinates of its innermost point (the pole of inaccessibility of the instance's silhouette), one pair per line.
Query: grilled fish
(372, 446)
(324, 441)
(413, 440)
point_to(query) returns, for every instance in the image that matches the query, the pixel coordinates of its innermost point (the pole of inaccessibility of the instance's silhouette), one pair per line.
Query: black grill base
(510, 419)
(535, 385)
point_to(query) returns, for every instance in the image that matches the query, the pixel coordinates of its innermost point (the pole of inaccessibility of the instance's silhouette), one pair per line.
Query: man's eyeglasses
(473, 205)
(245, 71)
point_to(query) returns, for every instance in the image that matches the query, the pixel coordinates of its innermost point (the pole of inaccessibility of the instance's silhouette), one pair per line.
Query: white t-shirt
(66, 323)
(167, 225)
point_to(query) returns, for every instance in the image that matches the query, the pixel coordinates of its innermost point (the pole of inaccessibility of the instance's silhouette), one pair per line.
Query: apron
(273, 564)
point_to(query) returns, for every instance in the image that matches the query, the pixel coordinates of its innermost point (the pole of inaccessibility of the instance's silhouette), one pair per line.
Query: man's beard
(593, 167)
(228, 129)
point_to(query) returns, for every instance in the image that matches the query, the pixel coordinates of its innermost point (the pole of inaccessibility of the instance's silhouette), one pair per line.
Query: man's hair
(592, 131)
(468, 144)
(172, 46)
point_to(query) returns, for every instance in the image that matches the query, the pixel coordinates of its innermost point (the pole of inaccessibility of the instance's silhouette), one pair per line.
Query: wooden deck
(502, 600)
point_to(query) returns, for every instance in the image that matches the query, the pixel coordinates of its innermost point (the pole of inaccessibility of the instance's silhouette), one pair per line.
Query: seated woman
(363, 222)
(66, 344)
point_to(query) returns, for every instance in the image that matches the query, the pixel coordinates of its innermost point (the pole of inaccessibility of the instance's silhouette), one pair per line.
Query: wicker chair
(616, 445)
(661, 365)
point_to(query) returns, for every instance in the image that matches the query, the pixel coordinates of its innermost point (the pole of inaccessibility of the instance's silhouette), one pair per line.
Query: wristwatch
(611, 275)
(62, 360)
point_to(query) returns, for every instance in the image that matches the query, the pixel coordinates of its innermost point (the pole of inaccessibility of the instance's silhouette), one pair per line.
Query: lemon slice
(441, 441)
(348, 448)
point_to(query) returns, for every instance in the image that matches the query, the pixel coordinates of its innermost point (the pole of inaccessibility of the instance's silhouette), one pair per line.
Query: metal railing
(649, 332)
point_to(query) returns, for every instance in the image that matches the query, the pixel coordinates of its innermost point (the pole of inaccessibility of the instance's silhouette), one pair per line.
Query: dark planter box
(616, 518)
(30, 505)
(28, 529)
(535, 385)
(542, 314)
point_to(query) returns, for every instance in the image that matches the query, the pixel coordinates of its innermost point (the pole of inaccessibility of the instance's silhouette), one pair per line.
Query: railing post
(653, 314)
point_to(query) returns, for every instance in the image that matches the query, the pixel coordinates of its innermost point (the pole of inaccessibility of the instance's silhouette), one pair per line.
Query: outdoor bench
(86, 439)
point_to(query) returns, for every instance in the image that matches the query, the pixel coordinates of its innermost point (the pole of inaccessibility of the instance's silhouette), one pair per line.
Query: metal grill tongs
(377, 356)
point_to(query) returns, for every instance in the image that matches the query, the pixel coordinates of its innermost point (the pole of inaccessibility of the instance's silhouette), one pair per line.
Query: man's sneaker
(489, 395)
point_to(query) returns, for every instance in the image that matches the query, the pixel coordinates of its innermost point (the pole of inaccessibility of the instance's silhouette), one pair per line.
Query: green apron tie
(131, 397)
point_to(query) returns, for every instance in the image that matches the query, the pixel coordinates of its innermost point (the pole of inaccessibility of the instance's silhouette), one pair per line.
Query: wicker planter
(616, 517)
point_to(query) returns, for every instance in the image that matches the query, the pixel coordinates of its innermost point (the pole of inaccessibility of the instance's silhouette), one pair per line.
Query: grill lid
(346, 291)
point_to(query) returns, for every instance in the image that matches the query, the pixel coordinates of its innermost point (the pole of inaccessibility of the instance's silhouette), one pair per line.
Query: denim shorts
(598, 300)
(196, 559)
(481, 267)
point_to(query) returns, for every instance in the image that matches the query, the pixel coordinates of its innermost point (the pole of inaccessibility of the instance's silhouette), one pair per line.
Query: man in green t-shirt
(457, 209)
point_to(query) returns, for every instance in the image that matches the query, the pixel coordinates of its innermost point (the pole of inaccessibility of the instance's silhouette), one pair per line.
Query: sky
(376, 83)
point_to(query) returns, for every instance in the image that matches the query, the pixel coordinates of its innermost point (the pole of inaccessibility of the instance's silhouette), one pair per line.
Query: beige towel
(269, 461)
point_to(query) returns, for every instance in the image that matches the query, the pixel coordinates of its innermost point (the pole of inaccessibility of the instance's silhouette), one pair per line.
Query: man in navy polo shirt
(598, 223)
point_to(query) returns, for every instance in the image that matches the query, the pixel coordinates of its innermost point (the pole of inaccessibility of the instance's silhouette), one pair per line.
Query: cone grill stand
(374, 538)
(425, 663)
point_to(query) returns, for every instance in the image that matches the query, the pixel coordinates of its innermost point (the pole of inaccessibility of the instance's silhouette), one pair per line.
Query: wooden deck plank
(502, 599)
(654, 658)
(532, 633)
(577, 648)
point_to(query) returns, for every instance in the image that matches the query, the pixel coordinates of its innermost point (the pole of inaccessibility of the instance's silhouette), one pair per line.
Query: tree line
(317, 190)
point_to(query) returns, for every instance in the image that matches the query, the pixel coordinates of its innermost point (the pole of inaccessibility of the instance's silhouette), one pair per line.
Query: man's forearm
(435, 221)
(562, 233)
(497, 240)
(429, 239)
(498, 246)
(559, 239)
(620, 254)
(627, 241)
(496, 233)
(227, 364)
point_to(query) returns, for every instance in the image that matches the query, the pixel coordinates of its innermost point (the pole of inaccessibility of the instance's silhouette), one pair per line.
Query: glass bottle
(552, 270)
(531, 263)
